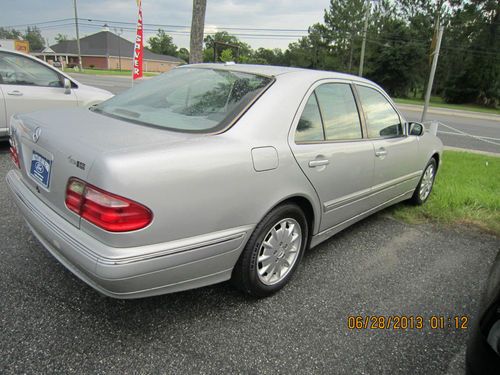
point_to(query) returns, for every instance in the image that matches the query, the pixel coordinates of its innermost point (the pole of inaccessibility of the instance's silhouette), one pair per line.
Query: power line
(37, 23)
(178, 32)
(156, 25)
(187, 26)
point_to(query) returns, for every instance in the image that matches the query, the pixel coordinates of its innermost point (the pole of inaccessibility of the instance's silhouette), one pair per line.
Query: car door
(327, 142)
(29, 85)
(396, 164)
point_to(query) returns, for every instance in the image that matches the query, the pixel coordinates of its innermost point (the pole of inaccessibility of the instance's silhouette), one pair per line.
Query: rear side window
(340, 114)
(187, 99)
(310, 127)
(381, 119)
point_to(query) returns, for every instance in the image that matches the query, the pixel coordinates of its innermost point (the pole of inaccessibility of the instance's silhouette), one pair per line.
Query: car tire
(273, 252)
(425, 185)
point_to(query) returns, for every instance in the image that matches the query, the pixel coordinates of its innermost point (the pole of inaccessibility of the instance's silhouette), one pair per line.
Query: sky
(294, 15)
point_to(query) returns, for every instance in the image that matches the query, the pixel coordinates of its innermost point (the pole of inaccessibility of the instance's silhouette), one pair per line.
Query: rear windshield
(187, 99)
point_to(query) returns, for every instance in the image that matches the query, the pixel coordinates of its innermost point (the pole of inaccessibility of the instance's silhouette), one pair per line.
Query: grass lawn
(109, 72)
(438, 102)
(466, 191)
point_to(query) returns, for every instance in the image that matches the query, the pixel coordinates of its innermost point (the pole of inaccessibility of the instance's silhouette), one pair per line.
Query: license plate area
(40, 169)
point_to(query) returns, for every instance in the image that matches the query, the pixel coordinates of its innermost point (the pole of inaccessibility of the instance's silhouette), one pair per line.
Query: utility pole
(78, 38)
(433, 72)
(350, 53)
(119, 33)
(363, 45)
(197, 28)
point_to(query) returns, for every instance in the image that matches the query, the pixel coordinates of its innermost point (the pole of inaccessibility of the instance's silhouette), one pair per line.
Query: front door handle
(15, 93)
(381, 152)
(318, 163)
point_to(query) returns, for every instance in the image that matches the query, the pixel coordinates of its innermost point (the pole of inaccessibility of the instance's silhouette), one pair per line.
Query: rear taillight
(14, 156)
(105, 210)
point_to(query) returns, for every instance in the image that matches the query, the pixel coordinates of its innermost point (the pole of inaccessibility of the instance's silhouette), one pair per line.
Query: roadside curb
(454, 112)
(487, 153)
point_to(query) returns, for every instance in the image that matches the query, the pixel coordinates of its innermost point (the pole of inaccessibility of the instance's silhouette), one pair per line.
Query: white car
(28, 84)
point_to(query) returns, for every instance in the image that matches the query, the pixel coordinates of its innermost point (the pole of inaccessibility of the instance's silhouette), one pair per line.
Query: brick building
(105, 50)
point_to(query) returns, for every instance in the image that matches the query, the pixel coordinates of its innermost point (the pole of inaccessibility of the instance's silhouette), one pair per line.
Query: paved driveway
(50, 322)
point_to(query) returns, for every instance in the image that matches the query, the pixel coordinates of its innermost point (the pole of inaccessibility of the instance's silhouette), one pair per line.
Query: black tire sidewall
(250, 278)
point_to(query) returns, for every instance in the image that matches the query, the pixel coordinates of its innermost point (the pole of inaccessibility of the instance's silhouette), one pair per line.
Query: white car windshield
(187, 99)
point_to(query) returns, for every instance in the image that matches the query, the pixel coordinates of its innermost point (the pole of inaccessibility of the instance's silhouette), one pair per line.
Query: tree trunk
(197, 27)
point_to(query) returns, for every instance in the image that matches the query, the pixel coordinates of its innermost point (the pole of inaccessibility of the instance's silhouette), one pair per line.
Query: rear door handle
(15, 93)
(381, 152)
(318, 163)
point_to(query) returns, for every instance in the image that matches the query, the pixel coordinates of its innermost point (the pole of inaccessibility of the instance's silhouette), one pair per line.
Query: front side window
(310, 128)
(340, 114)
(381, 119)
(187, 99)
(20, 70)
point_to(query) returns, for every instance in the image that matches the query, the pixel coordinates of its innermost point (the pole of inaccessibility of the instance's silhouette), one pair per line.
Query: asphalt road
(51, 322)
(481, 126)
(114, 84)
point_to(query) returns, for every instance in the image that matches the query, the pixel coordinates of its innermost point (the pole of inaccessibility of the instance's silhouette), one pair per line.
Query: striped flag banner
(139, 45)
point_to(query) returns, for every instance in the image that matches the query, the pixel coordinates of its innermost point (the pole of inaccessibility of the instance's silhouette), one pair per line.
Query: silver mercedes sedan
(214, 172)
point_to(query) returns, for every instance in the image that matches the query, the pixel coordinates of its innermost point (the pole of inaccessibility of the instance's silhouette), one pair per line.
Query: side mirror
(415, 128)
(67, 86)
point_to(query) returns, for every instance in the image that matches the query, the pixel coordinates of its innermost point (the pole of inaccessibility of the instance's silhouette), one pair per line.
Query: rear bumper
(140, 272)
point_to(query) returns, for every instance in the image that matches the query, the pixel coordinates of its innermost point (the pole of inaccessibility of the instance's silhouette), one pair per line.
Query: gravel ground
(51, 322)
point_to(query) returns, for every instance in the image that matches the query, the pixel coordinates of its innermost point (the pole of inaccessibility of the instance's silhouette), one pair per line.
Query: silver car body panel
(207, 191)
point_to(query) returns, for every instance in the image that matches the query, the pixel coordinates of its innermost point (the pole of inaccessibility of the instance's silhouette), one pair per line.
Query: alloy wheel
(427, 181)
(279, 251)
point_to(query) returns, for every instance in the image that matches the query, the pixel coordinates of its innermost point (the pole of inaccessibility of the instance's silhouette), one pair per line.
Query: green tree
(254, 60)
(241, 49)
(398, 42)
(10, 33)
(298, 54)
(395, 59)
(472, 39)
(163, 44)
(226, 55)
(183, 54)
(269, 56)
(342, 29)
(311, 51)
(34, 36)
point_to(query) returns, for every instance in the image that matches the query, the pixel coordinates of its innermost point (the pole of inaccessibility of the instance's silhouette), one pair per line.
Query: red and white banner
(139, 45)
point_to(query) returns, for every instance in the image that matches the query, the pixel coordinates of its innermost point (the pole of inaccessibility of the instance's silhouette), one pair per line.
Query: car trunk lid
(54, 146)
